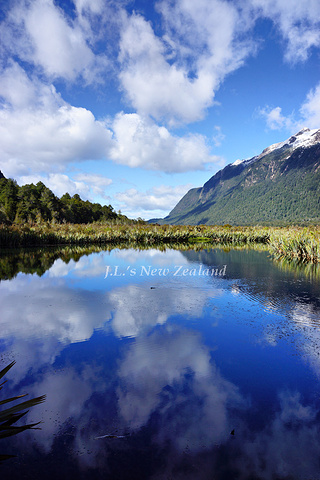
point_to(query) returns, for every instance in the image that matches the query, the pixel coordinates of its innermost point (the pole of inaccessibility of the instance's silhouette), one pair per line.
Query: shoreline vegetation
(32, 216)
(290, 243)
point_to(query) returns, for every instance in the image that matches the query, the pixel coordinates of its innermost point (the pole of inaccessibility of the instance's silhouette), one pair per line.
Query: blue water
(164, 365)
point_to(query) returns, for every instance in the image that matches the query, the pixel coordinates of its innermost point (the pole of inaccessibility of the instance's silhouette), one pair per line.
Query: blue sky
(135, 102)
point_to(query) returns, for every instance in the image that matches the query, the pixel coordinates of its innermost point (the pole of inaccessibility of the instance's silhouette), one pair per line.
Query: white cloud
(218, 136)
(308, 116)
(153, 86)
(94, 6)
(310, 110)
(87, 186)
(39, 141)
(58, 48)
(160, 199)
(131, 256)
(39, 338)
(275, 120)
(20, 92)
(174, 77)
(139, 142)
(96, 182)
(41, 132)
(40, 33)
(168, 78)
(298, 22)
(57, 182)
(209, 34)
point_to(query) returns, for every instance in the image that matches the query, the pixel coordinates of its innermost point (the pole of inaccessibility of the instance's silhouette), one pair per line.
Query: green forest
(37, 204)
(280, 188)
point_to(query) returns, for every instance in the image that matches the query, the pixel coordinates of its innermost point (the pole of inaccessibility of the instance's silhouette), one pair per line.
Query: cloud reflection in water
(158, 367)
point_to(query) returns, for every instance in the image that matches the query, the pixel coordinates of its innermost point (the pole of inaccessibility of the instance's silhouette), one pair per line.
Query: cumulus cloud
(298, 22)
(153, 86)
(38, 141)
(93, 6)
(68, 321)
(139, 142)
(86, 185)
(174, 77)
(169, 76)
(39, 131)
(157, 199)
(97, 183)
(155, 256)
(18, 91)
(275, 120)
(92, 266)
(310, 109)
(209, 34)
(40, 33)
(308, 115)
(69, 394)
(59, 183)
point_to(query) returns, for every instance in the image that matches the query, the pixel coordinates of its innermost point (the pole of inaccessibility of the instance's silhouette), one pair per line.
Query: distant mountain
(279, 186)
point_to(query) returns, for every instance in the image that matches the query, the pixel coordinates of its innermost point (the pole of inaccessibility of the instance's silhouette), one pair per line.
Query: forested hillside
(278, 187)
(37, 203)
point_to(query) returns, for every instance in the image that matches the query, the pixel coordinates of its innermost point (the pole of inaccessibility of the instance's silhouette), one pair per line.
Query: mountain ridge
(281, 185)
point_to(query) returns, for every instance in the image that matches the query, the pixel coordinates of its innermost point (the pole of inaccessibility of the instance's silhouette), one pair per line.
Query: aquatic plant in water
(9, 416)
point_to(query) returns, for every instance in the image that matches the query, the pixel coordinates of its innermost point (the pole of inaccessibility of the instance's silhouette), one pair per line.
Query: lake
(175, 364)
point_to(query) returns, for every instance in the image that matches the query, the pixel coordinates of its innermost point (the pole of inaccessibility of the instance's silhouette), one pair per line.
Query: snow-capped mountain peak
(304, 138)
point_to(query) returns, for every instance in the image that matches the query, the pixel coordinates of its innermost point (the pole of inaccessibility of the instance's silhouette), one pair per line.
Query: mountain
(279, 186)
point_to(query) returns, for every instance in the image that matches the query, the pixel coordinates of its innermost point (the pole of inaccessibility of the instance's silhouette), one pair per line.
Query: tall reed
(284, 242)
(293, 243)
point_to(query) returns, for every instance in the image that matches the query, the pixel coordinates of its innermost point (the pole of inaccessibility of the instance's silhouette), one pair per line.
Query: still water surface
(164, 365)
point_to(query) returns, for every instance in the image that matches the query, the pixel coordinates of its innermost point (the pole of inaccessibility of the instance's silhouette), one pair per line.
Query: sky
(132, 103)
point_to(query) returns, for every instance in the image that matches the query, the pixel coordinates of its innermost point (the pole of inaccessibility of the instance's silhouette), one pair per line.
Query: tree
(8, 198)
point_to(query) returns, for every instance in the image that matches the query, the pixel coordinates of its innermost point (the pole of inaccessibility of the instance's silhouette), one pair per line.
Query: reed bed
(283, 242)
(302, 244)
(71, 234)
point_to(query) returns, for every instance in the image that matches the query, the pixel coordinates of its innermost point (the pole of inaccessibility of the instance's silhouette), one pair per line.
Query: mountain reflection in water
(153, 377)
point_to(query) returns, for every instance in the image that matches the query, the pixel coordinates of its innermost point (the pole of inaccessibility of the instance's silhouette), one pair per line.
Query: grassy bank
(290, 242)
(73, 234)
(302, 244)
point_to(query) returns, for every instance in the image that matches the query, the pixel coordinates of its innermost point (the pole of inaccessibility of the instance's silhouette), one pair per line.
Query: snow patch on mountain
(304, 138)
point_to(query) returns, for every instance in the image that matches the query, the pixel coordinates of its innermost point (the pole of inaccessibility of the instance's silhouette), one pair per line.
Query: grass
(283, 242)
(72, 234)
(302, 244)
